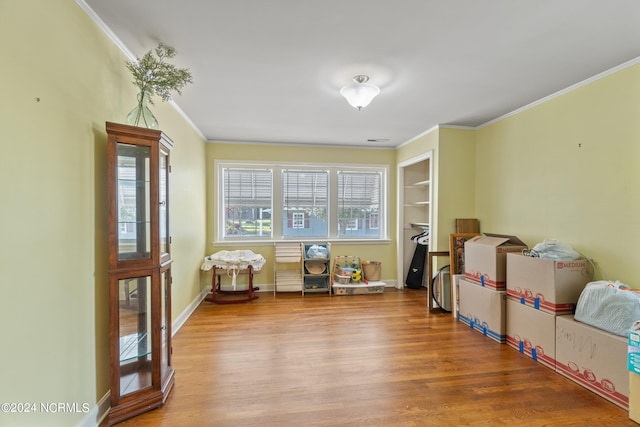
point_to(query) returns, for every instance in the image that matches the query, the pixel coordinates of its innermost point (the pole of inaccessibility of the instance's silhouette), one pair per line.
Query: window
(297, 220)
(358, 201)
(305, 203)
(279, 202)
(246, 207)
(373, 221)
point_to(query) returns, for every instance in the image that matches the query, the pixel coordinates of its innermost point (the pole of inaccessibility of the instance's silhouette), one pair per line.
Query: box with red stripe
(547, 285)
(532, 332)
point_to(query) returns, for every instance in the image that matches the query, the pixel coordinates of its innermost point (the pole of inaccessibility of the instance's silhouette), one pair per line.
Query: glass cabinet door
(135, 334)
(133, 194)
(164, 203)
(165, 325)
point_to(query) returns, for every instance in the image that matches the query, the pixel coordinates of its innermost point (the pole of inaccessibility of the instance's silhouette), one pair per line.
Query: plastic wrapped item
(610, 306)
(553, 249)
(317, 252)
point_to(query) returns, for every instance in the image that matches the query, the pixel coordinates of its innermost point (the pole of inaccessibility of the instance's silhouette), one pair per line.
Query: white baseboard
(391, 284)
(186, 313)
(98, 413)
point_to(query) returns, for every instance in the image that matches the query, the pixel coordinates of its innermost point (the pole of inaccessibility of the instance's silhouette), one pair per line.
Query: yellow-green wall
(455, 180)
(569, 169)
(62, 78)
(384, 252)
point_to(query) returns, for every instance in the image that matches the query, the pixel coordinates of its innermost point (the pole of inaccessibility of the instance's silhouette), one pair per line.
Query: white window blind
(247, 202)
(305, 195)
(359, 196)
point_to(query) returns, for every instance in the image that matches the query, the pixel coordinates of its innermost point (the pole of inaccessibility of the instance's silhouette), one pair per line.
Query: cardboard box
(593, 358)
(633, 365)
(482, 309)
(532, 332)
(552, 286)
(485, 259)
(634, 397)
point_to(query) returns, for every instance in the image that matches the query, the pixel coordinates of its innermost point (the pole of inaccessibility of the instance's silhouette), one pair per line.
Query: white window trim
(277, 196)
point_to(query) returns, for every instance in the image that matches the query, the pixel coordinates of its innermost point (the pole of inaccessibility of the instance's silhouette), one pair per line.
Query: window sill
(254, 243)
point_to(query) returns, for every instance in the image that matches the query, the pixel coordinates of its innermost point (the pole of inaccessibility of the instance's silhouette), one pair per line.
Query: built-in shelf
(416, 206)
(420, 205)
(421, 225)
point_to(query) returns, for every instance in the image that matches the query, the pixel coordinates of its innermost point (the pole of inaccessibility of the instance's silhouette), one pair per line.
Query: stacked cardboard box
(538, 290)
(528, 303)
(482, 309)
(541, 295)
(550, 286)
(532, 332)
(593, 358)
(485, 259)
(481, 294)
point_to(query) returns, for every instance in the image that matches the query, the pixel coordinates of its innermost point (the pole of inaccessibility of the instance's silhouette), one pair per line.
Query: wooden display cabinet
(139, 270)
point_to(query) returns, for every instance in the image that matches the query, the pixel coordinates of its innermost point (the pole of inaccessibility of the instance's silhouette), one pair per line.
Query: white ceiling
(270, 71)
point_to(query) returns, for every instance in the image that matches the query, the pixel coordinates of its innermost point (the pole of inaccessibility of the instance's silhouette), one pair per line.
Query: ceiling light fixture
(360, 93)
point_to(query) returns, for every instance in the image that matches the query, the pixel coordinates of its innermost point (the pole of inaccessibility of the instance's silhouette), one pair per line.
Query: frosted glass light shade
(360, 93)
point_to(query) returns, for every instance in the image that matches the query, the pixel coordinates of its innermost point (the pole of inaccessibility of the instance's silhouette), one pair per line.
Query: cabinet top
(121, 129)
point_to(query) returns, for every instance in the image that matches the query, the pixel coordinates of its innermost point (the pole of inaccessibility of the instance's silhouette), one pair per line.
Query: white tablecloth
(233, 262)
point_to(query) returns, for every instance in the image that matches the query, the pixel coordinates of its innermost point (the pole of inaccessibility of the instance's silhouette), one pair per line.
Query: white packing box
(593, 358)
(482, 309)
(532, 332)
(633, 365)
(485, 260)
(552, 286)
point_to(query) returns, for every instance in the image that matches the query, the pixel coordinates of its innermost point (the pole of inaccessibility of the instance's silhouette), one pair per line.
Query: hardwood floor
(365, 360)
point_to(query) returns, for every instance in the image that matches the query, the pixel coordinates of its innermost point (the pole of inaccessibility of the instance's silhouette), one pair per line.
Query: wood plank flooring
(364, 360)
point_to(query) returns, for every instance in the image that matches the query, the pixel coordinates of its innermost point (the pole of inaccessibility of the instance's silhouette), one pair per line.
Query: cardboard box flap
(505, 239)
(487, 241)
